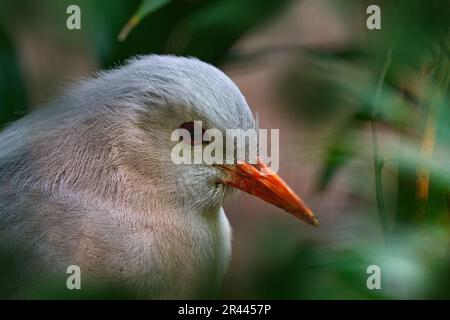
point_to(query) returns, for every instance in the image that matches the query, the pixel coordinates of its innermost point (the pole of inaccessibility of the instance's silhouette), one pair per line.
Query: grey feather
(87, 180)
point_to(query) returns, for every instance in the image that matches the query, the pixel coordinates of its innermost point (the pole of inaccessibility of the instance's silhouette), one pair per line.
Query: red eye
(196, 132)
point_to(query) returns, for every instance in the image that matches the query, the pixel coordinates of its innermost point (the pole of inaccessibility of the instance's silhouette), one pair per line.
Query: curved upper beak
(259, 180)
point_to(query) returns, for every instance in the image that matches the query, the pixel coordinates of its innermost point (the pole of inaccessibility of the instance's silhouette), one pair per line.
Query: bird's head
(166, 93)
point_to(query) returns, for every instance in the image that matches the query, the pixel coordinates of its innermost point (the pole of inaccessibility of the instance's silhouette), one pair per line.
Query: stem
(429, 135)
(378, 167)
(427, 149)
(377, 159)
(447, 196)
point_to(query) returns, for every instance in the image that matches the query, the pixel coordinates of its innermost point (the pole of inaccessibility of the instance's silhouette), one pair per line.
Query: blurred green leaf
(311, 94)
(205, 29)
(13, 101)
(146, 8)
(341, 150)
(209, 32)
(413, 266)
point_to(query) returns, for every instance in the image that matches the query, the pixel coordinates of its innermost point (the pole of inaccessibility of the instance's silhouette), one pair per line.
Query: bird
(86, 180)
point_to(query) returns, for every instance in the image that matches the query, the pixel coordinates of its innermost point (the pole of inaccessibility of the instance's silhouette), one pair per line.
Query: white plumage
(87, 180)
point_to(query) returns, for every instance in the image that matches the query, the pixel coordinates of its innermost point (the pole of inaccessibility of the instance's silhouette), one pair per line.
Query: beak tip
(315, 222)
(271, 188)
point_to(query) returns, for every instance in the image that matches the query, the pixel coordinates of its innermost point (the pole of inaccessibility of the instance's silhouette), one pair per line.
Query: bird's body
(87, 180)
(156, 257)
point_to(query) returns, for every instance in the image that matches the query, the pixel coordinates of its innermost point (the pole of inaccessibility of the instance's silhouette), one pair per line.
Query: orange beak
(259, 180)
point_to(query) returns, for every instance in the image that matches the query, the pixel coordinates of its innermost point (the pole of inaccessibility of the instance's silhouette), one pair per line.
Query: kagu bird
(88, 180)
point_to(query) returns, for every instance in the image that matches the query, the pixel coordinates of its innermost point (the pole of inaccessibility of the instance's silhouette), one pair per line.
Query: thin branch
(428, 141)
(377, 159)
(447, 197)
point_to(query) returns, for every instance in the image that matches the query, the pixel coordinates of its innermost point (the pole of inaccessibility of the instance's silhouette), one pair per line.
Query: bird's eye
(195, 131)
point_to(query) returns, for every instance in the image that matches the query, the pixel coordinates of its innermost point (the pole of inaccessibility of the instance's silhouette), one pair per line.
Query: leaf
(202, 29)
(13, 101)
(209, 32)
(341, 150)
(146, 7)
